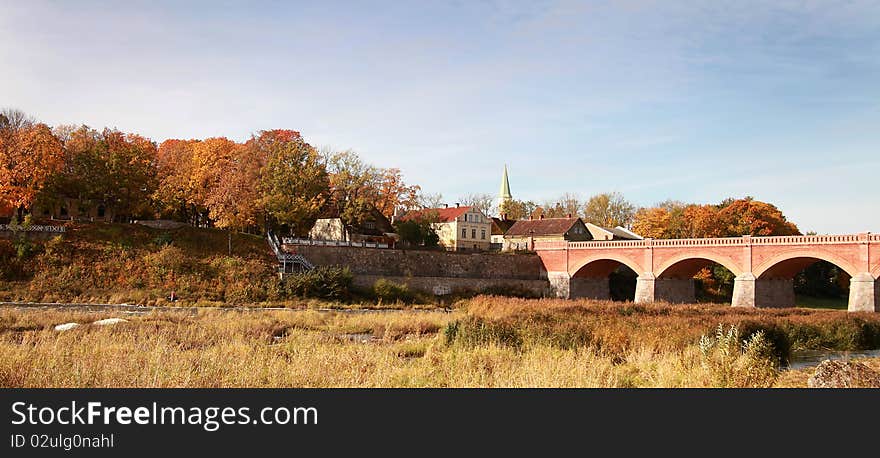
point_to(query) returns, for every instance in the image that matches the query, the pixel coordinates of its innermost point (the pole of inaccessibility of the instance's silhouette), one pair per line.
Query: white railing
(32, 228)
(806, 239)
(604, 244)
(722, 241)
(298, 241)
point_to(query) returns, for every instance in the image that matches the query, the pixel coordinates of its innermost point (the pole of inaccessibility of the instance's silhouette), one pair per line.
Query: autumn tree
(293, 183)
(232, 200)
(518, 209)
(395, 194)
(700, 221)
(174, 193)
(29, 155)
(652, 222)
(752, 217)
(609, 210)
(210, 159)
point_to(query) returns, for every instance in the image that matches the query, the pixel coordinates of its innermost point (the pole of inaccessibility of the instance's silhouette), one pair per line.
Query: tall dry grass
(485, 342)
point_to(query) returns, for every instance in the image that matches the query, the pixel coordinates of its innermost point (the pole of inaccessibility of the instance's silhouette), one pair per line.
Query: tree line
(274, 180)
(731, 217)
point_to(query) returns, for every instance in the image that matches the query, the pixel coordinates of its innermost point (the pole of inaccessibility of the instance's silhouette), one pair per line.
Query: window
(473, 233)
(370, 225)
(483, 234)
(463, 233)
(101, 211)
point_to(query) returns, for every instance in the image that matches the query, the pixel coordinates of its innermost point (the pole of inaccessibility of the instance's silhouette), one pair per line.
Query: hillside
(100, 262)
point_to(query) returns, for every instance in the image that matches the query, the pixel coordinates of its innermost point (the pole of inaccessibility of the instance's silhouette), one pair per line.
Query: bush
(389, 291)
(473, 332)
(163, 239)
(323, 282)
(734, 362)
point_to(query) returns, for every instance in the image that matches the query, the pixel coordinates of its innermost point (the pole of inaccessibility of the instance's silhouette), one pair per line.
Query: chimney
(530, 216)
(456, 205)
(569, 216)
(542, 216)
(445, 205)
(504, 217)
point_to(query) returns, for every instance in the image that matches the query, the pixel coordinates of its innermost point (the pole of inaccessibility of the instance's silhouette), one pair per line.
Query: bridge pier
(749, 291)
(560, 284)
(864, 293)
(646, 285)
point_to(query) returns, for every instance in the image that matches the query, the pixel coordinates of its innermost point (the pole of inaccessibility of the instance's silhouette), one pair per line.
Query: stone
(109, 321)
(843, 374)
(66, 326)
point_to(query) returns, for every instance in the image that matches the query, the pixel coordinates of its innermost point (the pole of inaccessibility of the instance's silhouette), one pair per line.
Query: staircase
(288, 263)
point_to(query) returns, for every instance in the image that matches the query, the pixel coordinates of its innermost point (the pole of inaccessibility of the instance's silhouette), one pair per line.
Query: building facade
(459, 228)
(524, 233)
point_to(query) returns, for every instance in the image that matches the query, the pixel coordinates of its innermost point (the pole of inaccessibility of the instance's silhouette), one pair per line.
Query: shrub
(389, 291)
(321, 282)
(473, 332)
(733, 362)
(163, 239)
(168, 259)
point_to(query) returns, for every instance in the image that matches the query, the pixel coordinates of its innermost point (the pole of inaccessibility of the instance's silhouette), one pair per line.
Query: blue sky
(695, 100)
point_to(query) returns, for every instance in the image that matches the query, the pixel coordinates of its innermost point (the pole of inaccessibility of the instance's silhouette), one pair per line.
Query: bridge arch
(605, 277)
(688, 264)
(603, 265)
(789, 263)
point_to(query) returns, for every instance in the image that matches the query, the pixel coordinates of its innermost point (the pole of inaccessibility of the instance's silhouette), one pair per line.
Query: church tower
(504, 194)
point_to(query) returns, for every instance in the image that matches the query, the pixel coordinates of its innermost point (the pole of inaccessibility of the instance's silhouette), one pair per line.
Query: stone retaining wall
(424, 270)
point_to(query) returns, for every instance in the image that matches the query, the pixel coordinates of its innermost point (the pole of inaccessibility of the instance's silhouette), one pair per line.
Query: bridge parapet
(710, 242)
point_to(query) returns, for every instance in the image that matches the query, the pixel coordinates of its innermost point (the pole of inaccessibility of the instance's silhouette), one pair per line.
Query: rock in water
(844, 374)
(109, 321)
(66, 326)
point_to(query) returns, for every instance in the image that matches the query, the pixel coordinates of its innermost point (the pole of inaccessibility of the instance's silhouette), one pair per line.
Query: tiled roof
(444, 215)
(539, 227)
(501, 226)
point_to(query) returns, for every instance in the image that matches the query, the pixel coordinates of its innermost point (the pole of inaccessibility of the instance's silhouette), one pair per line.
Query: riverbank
(481, 342)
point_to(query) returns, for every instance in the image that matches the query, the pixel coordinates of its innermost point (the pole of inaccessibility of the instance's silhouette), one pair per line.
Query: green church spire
(504, 195)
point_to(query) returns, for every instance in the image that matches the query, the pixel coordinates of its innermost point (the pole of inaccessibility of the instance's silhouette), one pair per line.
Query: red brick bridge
(764, 266)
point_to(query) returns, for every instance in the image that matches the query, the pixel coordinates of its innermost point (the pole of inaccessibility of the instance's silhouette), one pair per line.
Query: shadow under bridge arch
(605, 278)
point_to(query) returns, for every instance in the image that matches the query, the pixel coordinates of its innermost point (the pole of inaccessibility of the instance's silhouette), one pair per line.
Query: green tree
(354, 187)
(293, 185)
(418, 232)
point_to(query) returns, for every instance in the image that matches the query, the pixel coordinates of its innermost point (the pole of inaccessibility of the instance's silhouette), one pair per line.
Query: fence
(298, 241)
(32, 228)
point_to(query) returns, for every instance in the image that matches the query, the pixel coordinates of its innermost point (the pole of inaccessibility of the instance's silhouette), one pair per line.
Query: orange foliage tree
(395, 193)
(28, 157)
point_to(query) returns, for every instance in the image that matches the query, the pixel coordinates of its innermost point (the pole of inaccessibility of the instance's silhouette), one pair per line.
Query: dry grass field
(482, 342)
